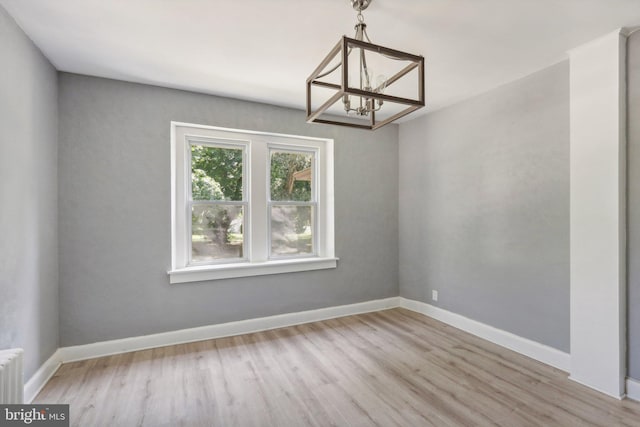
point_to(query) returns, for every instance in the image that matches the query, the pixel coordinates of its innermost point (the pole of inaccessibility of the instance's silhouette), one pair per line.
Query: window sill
(228, 271)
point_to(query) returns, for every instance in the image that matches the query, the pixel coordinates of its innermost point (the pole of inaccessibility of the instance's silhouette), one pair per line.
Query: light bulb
(366, 77)
(381, 83)
(347, 103)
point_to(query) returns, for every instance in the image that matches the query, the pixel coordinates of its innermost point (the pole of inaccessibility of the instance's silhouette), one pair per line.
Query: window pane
(291, 176)
(216, 173)
(291, 230)
(216, 232)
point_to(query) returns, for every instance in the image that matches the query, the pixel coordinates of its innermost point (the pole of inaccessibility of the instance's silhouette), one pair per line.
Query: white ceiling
(263, 50)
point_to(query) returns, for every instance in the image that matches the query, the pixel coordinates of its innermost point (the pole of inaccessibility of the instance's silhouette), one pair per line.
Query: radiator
(11, 382)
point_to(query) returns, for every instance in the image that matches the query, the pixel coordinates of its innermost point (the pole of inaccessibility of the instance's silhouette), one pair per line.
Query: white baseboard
(633, 389)
(42, 376)
(513, 342)
(107, 348)
(532, 349)
(599, 390)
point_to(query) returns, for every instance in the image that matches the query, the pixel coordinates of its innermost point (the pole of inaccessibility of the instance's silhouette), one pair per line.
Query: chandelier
(355, 91)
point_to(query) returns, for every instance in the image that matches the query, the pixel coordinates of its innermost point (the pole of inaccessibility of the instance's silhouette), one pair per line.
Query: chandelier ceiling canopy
(362, 84)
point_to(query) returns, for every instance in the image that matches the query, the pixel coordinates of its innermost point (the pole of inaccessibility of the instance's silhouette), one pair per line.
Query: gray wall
(114, 214)
(634, 205)
(28, 194)
(484, 207)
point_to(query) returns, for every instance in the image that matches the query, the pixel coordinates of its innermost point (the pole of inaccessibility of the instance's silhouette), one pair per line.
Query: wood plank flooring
(389, 368)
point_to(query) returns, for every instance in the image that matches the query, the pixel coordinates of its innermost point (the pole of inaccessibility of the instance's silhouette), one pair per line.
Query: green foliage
(203, 187)
(217, 172)
(283, 167)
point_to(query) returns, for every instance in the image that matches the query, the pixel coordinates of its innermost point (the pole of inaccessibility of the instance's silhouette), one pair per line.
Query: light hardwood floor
(390, 368)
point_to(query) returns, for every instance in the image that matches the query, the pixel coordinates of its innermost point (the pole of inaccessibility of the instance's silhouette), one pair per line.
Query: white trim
(42, 376)
(598, 141)
(185, 216)
(317, 240)
(245, 269)
(107, 348)
(532, 349)
(619, 396)
(633, 389)
(623, 31)
(255, 199)
(250, 132)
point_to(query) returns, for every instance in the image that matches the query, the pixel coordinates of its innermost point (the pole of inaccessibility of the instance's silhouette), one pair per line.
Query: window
(216, 201)
(249, 203)
(292, 202)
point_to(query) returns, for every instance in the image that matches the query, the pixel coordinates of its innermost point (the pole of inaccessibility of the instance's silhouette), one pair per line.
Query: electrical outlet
(434, 295)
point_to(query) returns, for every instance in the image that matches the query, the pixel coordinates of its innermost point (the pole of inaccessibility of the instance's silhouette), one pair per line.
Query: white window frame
(184, 214)
(295, 149)
(256, 193)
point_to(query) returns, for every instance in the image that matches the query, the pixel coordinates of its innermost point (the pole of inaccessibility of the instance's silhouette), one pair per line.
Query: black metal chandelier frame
(372, 96)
